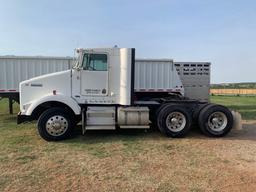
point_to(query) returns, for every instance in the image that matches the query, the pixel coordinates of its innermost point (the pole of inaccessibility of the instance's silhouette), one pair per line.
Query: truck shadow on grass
(107, 136)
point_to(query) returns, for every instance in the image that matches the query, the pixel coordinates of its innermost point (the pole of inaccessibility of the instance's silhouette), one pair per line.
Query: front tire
(215, 120)
(55, 124)
(174, 120)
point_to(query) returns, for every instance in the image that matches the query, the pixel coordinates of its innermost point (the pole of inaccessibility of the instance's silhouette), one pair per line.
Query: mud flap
(237, 118)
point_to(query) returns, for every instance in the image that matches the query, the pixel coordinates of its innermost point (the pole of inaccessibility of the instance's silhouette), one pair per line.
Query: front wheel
(55, 124)
(215, 120)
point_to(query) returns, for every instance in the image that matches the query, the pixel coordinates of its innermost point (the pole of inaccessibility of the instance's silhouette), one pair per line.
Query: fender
(59, 98)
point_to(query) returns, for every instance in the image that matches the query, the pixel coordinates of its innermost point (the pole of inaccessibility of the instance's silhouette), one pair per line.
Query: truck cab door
(94, 74)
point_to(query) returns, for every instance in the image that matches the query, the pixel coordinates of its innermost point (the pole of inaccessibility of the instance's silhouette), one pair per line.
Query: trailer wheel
(215, 120)
(55, 124)
(174, 120)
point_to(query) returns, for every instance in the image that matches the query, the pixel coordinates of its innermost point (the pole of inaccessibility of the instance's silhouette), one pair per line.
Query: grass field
(128, 160)
(246, 105)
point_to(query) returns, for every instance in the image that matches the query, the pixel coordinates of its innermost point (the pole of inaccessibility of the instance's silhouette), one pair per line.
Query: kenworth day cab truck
(105, 89)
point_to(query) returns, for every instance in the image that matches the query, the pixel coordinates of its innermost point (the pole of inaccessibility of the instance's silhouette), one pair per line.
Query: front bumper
(23, 118)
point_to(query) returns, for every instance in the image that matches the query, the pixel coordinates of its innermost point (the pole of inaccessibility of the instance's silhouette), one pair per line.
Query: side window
(95, 62)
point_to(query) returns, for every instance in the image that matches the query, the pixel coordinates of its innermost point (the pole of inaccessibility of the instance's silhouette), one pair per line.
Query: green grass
(111, 160)
(246, 105)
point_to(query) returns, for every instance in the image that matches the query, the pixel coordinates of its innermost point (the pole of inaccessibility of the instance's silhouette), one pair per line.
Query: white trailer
(100, 91)
(14, 69)
(195, 76)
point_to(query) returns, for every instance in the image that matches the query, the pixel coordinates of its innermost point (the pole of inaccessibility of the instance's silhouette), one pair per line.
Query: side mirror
(76, 66)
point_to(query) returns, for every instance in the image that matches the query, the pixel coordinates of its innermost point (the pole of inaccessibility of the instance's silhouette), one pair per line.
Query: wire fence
(233, 91)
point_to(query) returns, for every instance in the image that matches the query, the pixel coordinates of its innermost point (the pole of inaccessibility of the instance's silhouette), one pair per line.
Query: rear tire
(215, 120)
(174, 120)
(55, 124)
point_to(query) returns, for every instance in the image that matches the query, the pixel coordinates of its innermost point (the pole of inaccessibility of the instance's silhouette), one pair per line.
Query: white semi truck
(105, 89)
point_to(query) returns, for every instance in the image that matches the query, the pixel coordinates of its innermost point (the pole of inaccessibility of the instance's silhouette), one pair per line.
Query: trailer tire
(215, 120)
(174, 121)
(55, 124)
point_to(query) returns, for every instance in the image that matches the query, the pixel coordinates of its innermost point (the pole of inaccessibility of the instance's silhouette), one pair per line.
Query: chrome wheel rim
(217, 121)
(175, 121)
(56, 125)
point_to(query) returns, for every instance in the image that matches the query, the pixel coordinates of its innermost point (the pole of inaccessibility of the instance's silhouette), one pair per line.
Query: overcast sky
(220, 31)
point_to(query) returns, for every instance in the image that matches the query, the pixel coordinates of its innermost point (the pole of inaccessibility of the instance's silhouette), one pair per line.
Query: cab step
(99, 118)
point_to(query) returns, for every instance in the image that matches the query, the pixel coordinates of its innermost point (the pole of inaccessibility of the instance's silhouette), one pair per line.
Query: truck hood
(37, 87)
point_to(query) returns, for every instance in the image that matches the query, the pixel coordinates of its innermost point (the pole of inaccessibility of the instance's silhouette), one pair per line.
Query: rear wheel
(174, 120)
(215, 120)
(55, 124)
